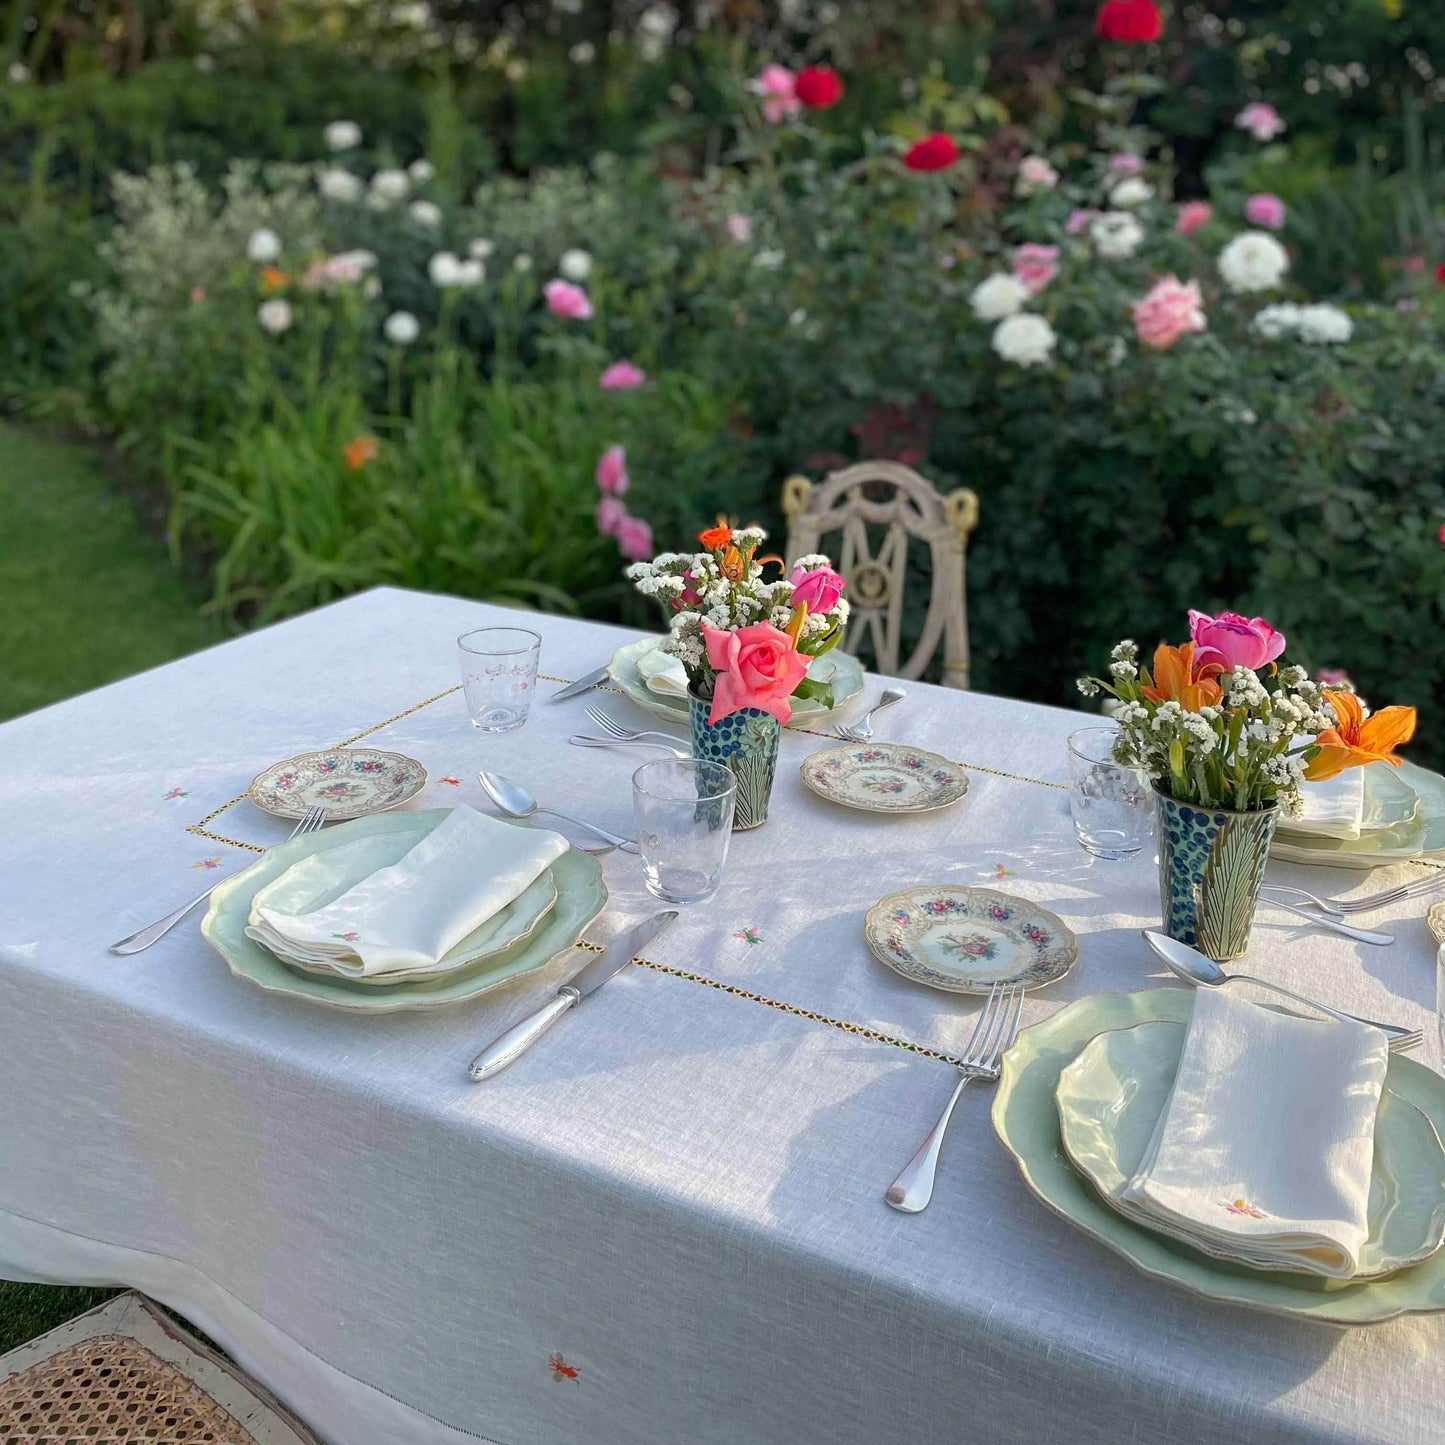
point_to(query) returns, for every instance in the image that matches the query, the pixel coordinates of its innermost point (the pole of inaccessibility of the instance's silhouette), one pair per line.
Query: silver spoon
(862, 732)
(513, 798)
(1195, 967)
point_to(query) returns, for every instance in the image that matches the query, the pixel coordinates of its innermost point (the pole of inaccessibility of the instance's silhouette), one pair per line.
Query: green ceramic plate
(581, 896)
(1420, 832)
(1027, 1121)
(844, 672)
(1110, 1098)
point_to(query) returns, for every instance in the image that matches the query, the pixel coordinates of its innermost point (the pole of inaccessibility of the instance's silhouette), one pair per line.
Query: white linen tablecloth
(665, 1223)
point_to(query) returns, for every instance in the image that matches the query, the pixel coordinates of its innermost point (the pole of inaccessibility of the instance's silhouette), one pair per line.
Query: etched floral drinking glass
(1113, 806)
(684, 813)
(499, 675)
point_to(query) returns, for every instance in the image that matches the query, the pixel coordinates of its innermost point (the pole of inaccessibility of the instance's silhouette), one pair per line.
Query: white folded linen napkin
(1334, 808)
(1266, 1144)
(409, 914)
(662, 673)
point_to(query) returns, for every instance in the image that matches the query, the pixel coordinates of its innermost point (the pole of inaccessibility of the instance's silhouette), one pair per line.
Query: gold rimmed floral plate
(1110, 1098)
(346, 782)
(884, 778)
(965, 940)
(1435, 921)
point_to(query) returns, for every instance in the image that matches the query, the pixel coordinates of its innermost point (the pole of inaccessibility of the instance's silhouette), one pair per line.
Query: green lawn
(89, 597)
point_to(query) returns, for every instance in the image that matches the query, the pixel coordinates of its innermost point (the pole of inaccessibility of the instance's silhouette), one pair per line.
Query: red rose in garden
(934, 152)
(1440, 273)
(1131, 22)
(818, 87)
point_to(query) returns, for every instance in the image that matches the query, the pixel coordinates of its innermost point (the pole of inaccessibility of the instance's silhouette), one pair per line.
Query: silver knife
(520, 1037)
(594, 678)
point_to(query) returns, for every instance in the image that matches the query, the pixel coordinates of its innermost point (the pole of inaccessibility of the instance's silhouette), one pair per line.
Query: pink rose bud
(611, 473)
(1265, 210)
(568, 301)
(1231, 640)
(1170, 309)
(818, 589)
(634, 539)
(611, 513)
(1261, 120)
(1192, 215)
(1036, 265)
(622, 376)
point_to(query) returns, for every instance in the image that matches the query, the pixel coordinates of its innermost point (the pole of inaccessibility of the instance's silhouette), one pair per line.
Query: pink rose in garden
(1036, 174)
(757, 666)
(1192, 215)
(1171, 308)
(817, 590)
(198, 294)
(1126, 163)
(568, 301)
(1036, 265)
(634, 539)
(621, 376)
(1441, 533)
(612, 475)
(740, 227)
(1080, 220)
(1413, 265)
(689, 594)
(1265, 210)
(1261, 120)
(778, 87)
(1231, 640)
(611, 513)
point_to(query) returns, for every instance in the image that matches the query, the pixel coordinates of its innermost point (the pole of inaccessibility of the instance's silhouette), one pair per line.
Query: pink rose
(778, 87)
(611, 473)
(1192, 215)
(1265, 210)
(757, 666)
(634, 539)
(1231, 640)
(622, 376)
(689, 594)
(1036, 174)
(1261, 120)
(568, 301)
(1333, 677)
(1080, 220)
(1036, 265)
(611, 513)
(740, 227)
(817, 589)
(1125, 163)
(1169, 309)
(198, 294)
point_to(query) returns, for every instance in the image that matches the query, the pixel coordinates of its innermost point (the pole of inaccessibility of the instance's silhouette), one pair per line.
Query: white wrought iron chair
(888, 495)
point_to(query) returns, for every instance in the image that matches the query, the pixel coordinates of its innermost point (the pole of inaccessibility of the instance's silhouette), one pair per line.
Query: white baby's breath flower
(1024, 339)
(263, 246)
(275, 315)
(421, 171)
(1130, 193)
(425, 213)
(1116, 235)
(340, 185)
(389, 186)
(342, 135)
(998, 296)
(1253, 261)
(401, 328)
(575, 264)
(1324, 325)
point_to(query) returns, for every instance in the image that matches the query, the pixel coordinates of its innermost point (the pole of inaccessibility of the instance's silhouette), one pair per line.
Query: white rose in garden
(422, 171)
(576, 264)
(426, 213)
(1278, 320)
(1116, 235)
(470, 273)
(339, 185)
(342, 135)
(1324, 325)
(275, 315)
(998, 296)
(19, 72)
(481, 249)
(1035, 174)
(1024, 339)
(391, 186)
(1253, 261)
(263, 247)
(1132, 192)
(522, 264)
(444, 268)
(401, 328)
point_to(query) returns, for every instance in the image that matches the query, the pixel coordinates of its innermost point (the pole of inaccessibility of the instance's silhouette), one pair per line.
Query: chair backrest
(893, 497)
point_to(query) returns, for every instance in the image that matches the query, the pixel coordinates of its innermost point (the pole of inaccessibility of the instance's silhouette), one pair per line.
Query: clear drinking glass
(499, 675)
(1112, 805)
(684, 813)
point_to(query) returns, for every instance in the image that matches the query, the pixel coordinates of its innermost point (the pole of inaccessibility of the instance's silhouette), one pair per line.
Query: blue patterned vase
(1211, 863)
(747, 742)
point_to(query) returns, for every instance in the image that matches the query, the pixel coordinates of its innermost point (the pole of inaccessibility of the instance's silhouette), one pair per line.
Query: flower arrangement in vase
(745, 644)
(1227, 736)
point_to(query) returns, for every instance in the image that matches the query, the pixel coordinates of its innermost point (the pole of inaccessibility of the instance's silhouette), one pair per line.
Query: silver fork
(862, 731)
(1341, 906)
(581, 740)
(310, 822)
(998, 1022)
(613, 728)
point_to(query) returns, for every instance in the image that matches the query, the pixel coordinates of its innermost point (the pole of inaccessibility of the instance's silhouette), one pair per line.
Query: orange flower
(1358, 739)
(273, 278)
(359, 452)
(1177, 680)
(716, 537)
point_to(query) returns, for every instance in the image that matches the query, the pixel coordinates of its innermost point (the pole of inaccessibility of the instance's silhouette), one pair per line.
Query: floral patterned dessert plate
(1110, 1098)
(346, 782)
(965, 940)
(884, 778)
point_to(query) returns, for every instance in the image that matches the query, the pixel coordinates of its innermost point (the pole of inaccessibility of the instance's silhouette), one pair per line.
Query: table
(665, 1223)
